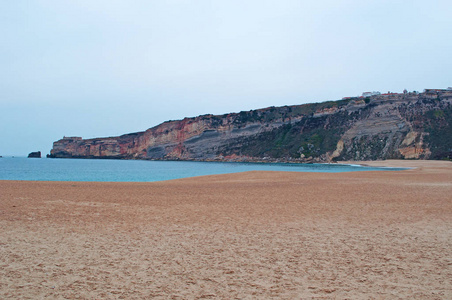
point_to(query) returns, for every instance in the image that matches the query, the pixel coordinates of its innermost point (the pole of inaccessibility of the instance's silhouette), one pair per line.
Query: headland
(374, 126)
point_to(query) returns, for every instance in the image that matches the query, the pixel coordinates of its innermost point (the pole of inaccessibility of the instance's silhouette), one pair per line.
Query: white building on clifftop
(369, 94)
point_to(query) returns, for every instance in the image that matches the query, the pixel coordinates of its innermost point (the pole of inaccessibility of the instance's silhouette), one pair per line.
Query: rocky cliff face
(410, 125)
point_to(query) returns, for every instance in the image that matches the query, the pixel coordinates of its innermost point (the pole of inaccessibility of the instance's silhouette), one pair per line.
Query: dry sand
(254, 235)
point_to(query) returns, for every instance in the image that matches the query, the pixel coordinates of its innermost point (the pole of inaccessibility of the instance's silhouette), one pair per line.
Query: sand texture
(253, 235)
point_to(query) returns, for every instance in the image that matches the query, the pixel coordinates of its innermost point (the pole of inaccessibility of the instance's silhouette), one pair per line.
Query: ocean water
(47, 169)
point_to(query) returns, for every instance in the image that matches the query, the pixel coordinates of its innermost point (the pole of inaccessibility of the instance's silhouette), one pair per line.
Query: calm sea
(46, 169)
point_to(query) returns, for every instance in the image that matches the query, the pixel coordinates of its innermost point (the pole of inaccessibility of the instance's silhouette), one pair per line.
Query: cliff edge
(404, 126)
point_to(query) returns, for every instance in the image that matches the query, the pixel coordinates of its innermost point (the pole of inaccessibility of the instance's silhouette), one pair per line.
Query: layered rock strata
(408, 125)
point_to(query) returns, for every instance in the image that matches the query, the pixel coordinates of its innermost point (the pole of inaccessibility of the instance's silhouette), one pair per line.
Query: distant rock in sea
(36, 154)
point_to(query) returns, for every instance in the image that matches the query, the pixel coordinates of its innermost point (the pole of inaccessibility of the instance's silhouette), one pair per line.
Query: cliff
(409, 125)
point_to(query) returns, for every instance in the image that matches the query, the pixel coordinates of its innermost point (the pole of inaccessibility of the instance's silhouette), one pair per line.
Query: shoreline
(255, 234)
(140, 171)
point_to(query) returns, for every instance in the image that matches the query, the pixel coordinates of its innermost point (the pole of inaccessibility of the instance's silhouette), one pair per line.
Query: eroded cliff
(409, 125)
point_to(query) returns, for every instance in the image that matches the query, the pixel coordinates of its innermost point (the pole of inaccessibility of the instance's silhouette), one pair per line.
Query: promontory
(408, 125)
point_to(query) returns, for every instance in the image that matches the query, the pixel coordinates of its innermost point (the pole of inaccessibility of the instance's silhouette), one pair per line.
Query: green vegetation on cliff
(439, 129)
(312, 136)
(434, 117)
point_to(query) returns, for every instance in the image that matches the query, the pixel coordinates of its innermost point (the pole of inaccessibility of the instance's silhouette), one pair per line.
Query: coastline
(254, 234)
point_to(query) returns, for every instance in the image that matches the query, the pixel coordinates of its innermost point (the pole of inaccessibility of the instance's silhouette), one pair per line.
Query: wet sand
(253, 235)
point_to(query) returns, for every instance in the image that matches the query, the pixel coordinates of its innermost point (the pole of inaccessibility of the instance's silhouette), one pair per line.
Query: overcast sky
(104, 68)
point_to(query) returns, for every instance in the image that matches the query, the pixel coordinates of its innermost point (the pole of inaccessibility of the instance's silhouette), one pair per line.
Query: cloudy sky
(104, 68)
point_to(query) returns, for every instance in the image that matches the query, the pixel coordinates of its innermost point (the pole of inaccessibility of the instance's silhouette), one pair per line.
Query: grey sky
(103, 68)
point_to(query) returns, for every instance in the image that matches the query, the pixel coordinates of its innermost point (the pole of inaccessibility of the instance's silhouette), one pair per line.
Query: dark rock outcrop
(409, 125)
(36, 154)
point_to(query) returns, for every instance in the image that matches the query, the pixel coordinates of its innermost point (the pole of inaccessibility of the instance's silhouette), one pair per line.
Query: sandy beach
(253, 235)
